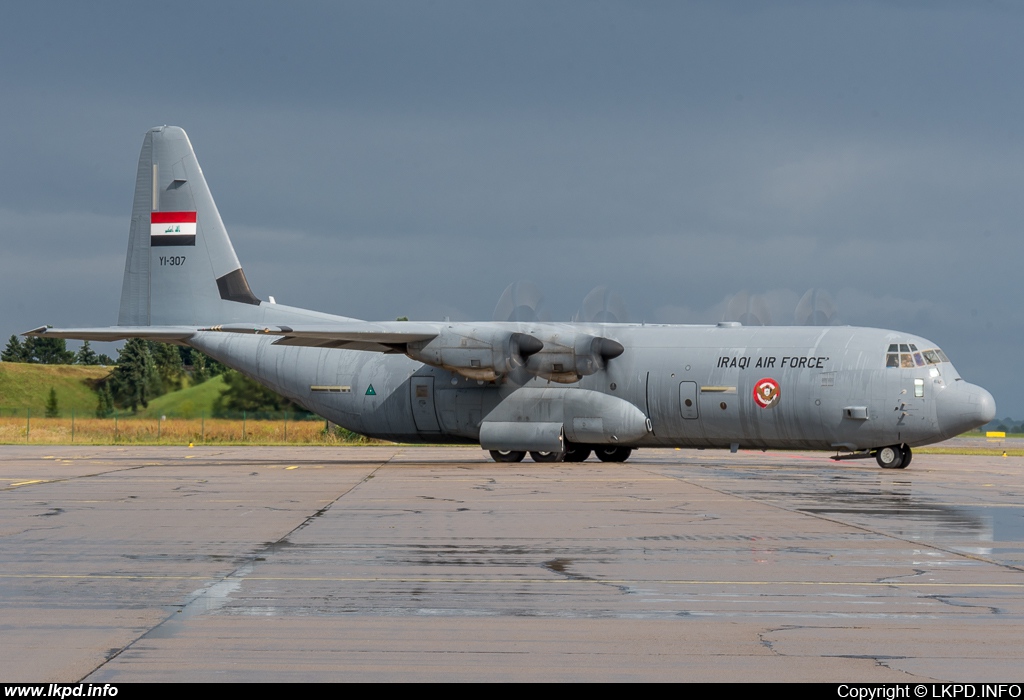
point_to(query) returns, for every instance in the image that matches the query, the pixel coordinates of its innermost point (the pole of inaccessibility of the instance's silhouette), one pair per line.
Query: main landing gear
(547, 456)
(507, 456)
(573, 453)
(613, 453)
(894, 457)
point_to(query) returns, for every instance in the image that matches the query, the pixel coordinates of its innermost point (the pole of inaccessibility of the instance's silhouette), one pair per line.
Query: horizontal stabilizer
(375, 337)
(111, 333)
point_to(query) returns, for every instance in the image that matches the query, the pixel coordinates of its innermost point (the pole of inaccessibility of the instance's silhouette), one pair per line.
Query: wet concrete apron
(399, 563)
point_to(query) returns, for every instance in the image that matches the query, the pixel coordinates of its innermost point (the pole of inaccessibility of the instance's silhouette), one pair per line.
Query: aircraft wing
(110, 333)
(388, 337)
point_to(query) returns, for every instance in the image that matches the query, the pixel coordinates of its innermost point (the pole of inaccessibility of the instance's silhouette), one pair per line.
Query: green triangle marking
(370, 391)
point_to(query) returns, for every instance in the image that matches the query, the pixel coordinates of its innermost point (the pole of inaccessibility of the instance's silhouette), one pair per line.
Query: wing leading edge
(111, 333)
(391, 337)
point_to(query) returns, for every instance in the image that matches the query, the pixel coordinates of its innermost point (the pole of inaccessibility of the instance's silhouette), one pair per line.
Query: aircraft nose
(963, 407)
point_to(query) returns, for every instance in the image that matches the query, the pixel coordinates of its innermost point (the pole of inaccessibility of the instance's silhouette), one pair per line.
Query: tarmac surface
(436, 564)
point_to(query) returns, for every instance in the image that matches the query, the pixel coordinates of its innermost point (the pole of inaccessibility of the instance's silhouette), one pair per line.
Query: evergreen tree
(202, 366)
(49, 351)
(244, 394)
(135, 378)
(199, 372)
(52, 411)
(105, 360)
(15, 351)
(167, 361)
(104, 402)
(214, 367)
(86, 356)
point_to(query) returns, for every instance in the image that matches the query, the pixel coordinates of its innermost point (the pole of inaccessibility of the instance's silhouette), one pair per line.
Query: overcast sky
(379, 159)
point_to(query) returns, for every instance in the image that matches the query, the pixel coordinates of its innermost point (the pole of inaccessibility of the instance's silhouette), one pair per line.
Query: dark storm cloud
(384, 159)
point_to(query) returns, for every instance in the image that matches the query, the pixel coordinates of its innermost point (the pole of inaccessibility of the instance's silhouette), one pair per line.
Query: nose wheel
(894, 457)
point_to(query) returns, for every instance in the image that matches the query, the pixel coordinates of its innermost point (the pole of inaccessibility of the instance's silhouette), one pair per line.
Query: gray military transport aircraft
(553, 390)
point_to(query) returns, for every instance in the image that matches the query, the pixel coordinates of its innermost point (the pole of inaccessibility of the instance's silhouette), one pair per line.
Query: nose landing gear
(894, 456)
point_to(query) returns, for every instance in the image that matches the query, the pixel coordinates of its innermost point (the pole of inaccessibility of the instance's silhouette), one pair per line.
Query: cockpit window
(907, 356)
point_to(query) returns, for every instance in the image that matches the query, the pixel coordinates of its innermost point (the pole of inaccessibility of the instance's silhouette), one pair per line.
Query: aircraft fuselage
(822, 388)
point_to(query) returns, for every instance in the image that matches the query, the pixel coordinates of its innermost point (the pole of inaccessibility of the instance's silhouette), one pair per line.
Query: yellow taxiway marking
(294, 466)
(26, 483)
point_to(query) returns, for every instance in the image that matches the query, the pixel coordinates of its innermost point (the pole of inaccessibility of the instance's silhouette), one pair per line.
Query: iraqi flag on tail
(172, 228)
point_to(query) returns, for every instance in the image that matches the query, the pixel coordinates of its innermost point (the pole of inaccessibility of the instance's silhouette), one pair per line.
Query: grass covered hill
(190, 402)
(28, 386)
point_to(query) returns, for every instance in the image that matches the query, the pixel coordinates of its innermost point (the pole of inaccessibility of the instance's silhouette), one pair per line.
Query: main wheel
(547, 456)
(890, 457)
(613, 453)
(507, 456)
(576, 453)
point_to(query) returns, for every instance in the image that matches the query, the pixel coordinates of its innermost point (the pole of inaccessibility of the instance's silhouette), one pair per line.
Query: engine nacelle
(566, 359)
(534, 418)
(475, 352)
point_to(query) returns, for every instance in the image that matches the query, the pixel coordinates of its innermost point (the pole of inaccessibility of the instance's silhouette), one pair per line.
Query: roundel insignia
(766, 393)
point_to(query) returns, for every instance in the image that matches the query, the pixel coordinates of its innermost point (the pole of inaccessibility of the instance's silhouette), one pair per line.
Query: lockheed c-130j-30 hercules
(553, 390)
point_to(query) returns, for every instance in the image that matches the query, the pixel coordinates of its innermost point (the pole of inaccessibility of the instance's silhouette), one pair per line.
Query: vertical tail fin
(181, 267)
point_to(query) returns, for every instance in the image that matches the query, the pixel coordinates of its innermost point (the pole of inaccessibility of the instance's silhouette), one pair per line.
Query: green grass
(190, 402)
(28, 386)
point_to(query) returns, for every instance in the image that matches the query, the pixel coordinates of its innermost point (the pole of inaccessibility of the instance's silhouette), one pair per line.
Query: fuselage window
(919, 388)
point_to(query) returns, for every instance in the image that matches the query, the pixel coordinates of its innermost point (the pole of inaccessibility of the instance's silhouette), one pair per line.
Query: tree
(135, 378)
(49, 351)
(15, 351)
(104, 401)
(244, 394)
(52, 411)
(86, 356)
(199, 372)
(200, 366)
(167, 361)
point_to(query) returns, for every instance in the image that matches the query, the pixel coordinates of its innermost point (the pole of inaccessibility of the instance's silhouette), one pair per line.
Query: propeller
(748, 309)
(602, 305)
(816, 308)
(521, 301)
